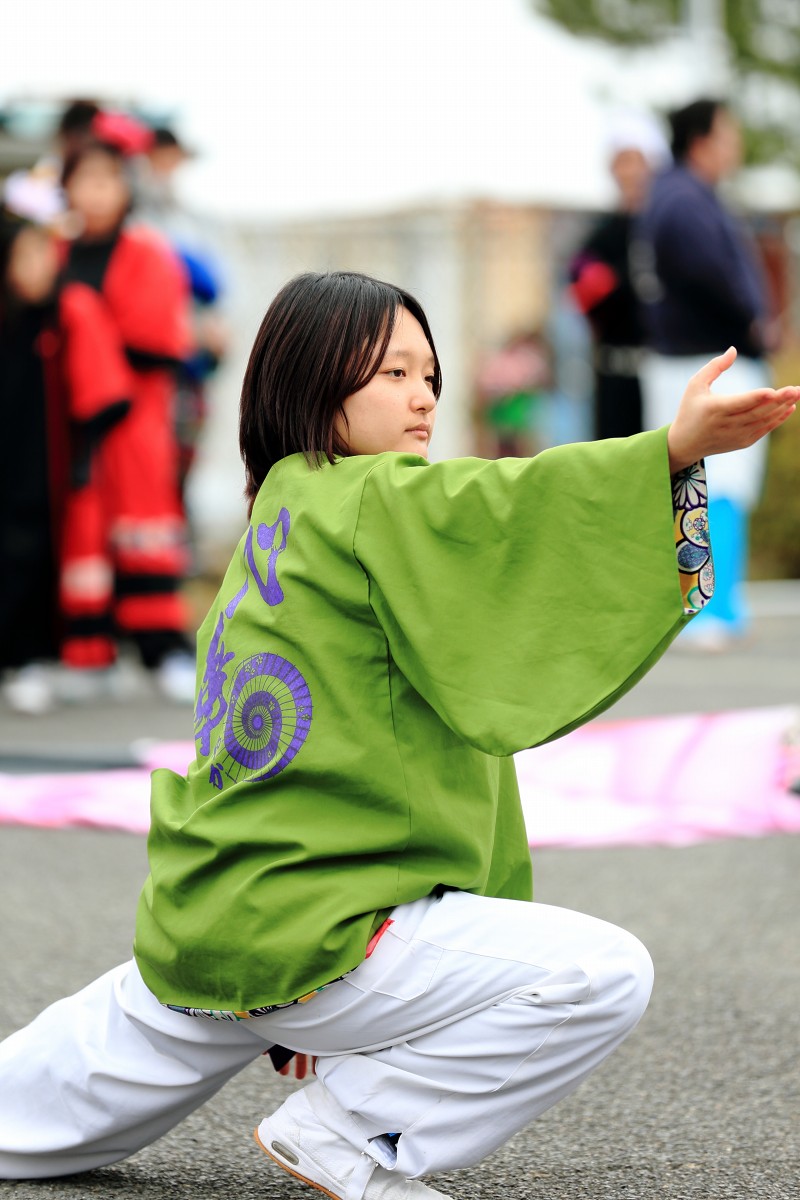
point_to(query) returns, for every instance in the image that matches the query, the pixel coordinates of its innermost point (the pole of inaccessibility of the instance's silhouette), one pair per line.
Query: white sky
(303, 106)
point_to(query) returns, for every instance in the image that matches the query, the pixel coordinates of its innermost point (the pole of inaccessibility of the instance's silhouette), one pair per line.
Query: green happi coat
(388, 634)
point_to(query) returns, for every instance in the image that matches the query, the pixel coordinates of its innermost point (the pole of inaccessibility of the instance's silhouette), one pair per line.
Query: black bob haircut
(692, 122)
(322, 339)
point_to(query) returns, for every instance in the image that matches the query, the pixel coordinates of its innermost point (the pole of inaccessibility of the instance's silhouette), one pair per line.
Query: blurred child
(514, 385)
(145, 289)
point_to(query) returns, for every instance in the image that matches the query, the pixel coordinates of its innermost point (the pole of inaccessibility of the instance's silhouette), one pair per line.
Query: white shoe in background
(175, 676)
(128, 680)
(84, 685)
(29, 690)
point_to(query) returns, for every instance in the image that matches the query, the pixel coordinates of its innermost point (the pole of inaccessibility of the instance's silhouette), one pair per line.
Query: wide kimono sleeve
(521, 597)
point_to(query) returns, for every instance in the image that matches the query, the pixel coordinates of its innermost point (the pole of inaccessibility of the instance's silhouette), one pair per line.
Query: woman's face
(396, 410)
(32, 266)
(98, 192)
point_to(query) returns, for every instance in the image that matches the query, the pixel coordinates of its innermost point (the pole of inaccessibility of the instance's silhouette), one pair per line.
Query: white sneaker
(84, 685)
(30, 690)
(297, 1140)
(176, 677)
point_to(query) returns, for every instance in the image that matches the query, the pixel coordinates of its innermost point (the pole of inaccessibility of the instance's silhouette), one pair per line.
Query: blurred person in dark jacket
(601, 284)
(699, 276)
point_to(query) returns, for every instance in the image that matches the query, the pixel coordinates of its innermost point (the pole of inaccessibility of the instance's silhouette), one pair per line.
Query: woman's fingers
(704, 378)
(783, 415)
(744, 402)
(758, 419)
(760, 401)
(759, 423)
(299, 1065)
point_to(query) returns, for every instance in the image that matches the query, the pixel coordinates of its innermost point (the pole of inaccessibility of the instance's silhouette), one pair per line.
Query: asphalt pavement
(702, 1101)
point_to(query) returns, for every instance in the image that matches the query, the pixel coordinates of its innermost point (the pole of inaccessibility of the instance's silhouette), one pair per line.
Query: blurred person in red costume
(64, 384)
(145, 289)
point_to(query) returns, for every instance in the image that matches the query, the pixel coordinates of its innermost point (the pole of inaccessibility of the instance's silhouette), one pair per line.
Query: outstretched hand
(706, 423)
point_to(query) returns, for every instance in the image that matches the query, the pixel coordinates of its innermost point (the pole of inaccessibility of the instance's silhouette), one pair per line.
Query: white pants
(738, 476)
(471, 1017)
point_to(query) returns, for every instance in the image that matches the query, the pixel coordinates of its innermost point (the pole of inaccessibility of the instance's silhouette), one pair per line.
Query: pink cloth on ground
(658, 781)
(115, 799)
(662, 781)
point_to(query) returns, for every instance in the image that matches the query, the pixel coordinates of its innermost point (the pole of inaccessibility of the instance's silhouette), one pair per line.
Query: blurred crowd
(110, 328)
(668, 280)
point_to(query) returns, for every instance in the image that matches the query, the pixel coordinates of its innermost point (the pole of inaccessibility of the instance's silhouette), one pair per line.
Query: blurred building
(482, 270)
(18, 154)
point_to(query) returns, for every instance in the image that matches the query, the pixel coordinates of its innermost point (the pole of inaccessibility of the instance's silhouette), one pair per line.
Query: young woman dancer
(345, 871)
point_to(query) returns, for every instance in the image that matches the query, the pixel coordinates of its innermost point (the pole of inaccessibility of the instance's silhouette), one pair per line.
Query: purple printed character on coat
(272, 538)
(211, 704)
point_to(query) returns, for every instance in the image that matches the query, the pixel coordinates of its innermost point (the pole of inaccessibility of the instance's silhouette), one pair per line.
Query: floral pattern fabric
(692, 541)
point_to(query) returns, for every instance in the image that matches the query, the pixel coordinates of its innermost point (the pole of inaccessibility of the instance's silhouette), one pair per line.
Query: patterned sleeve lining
(692, 542)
